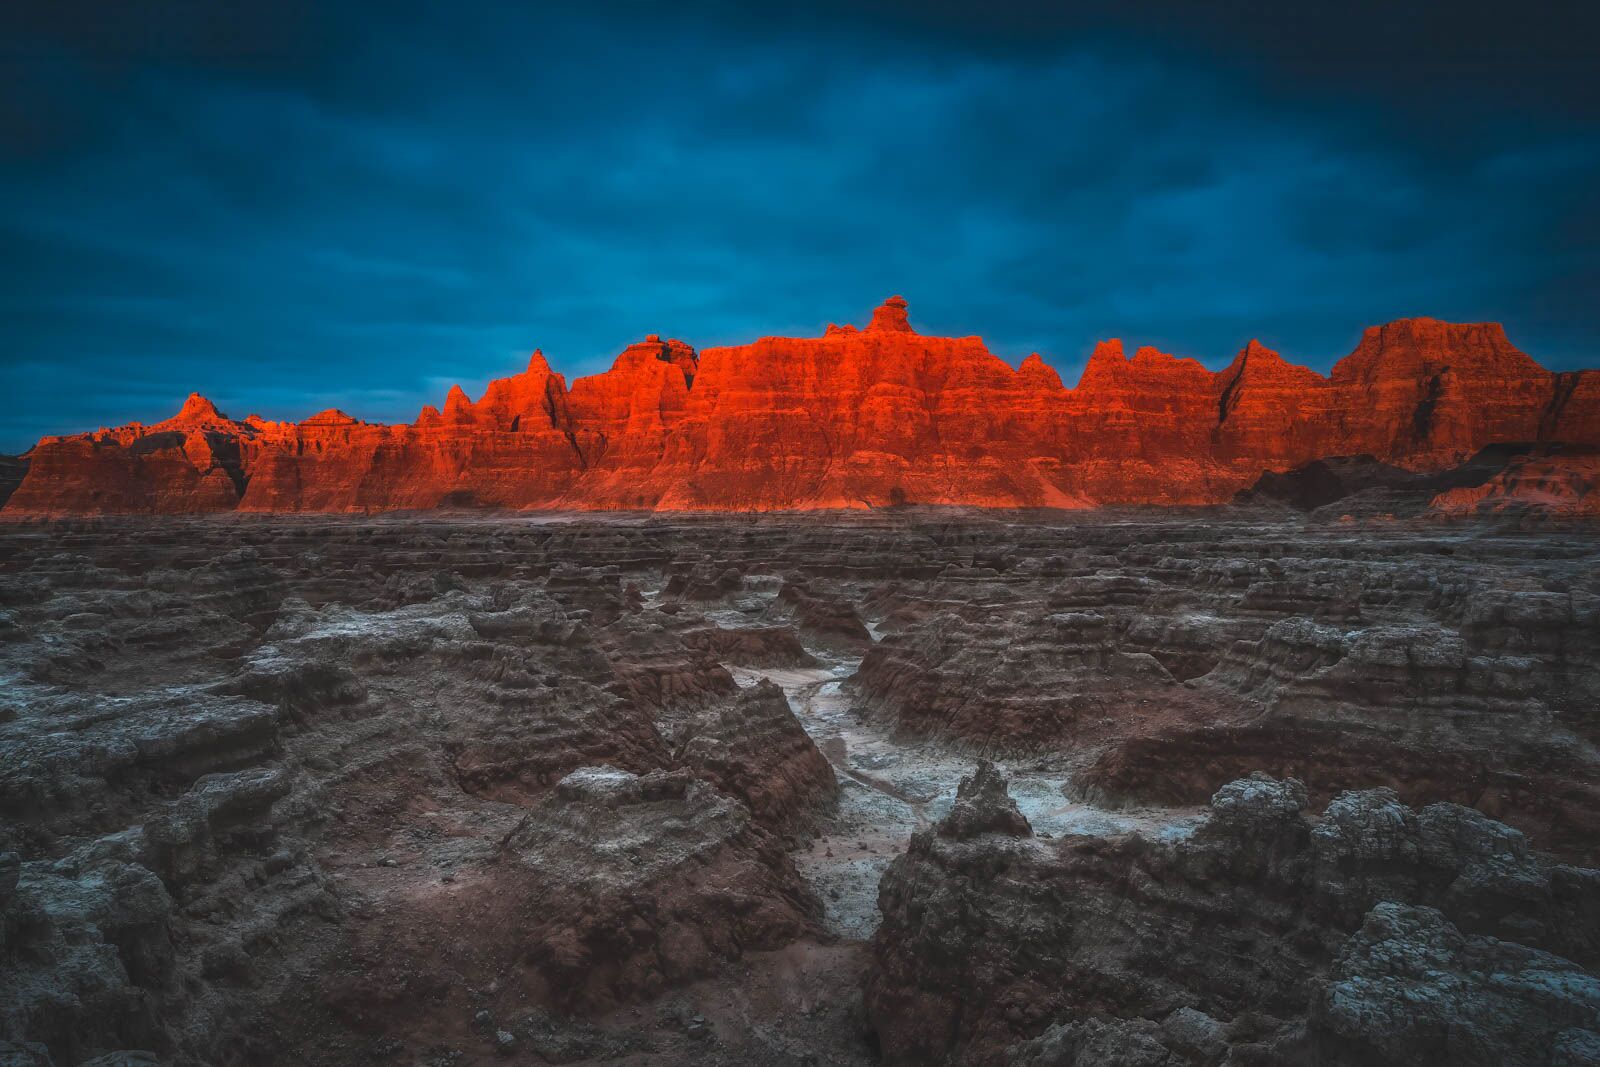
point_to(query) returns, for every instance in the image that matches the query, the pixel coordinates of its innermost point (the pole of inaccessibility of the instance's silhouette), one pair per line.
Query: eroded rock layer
(855, 418)
(1375, 934)
(480, 789)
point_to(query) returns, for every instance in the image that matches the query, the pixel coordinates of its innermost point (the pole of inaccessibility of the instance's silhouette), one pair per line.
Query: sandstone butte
(854, 418)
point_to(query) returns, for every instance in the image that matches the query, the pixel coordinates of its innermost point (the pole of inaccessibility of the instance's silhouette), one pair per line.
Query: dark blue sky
(294, 205)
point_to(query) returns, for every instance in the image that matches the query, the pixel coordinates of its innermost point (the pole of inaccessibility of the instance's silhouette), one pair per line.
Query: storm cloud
(296, 206)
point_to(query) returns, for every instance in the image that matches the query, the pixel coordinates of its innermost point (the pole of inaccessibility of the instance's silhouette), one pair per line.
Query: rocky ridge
(853, 419)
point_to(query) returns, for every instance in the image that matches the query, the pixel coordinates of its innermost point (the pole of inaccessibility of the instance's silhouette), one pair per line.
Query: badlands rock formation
(855, 418)
(1373, 935)
(1561, 484)
(1261, 786)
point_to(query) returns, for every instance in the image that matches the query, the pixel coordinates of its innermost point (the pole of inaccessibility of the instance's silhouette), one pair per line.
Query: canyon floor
(1240, 785)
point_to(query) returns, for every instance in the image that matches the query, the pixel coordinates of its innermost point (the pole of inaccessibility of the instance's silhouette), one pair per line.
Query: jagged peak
(1151, 356)
(655, 350)
(198, 407)
(196, 413)
(1108, 367)
(984, 805)
(682, 356)
(1106, 362)
(890, 317)
(1254, 349)
(261, 424)
(1036, 370)
(330, 417)
(1254, 356)
(518, 390)
(639, 351)
(457, 404)
(1108, 351)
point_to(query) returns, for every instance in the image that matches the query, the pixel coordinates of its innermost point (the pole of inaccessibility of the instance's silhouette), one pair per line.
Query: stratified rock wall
(855, 418)
(1375, 934)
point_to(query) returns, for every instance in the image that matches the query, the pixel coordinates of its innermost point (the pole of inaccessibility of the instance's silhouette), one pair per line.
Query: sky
(294, 205)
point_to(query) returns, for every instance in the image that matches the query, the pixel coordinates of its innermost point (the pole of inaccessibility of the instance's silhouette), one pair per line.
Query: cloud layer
(291, 209)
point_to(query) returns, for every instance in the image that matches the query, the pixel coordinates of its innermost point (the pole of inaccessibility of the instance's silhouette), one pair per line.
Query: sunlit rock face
(1558, 484)
(855, 418)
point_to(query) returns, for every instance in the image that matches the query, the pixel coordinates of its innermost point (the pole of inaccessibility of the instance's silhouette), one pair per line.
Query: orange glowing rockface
(854, 418)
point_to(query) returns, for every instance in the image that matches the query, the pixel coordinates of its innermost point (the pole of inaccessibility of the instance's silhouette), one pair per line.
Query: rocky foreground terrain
(1312, 780)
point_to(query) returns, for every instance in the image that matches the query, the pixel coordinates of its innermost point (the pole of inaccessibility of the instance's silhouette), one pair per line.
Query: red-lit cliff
(855, 418)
